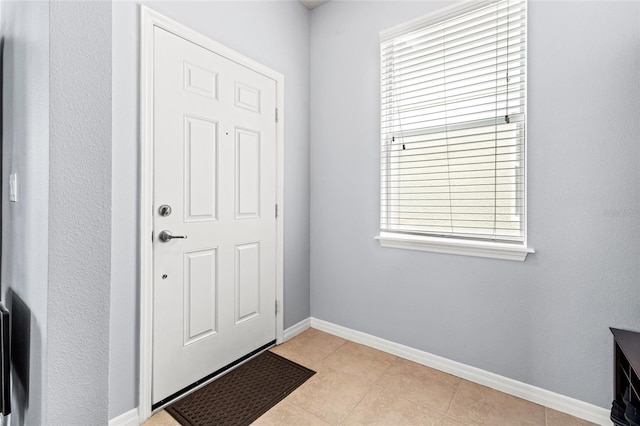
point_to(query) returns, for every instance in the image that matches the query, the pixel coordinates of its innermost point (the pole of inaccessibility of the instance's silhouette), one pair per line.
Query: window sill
(450, 246)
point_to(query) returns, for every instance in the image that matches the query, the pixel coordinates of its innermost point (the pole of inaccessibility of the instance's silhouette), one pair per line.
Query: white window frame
(453, 245)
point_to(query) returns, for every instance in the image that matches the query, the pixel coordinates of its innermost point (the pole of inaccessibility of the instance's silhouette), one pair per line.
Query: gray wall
(545, 321)
(79, 213)
(25, 28)
(274, 33)
(56, 238)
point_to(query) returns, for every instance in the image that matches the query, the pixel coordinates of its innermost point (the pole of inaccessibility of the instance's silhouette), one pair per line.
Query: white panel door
(215, 166)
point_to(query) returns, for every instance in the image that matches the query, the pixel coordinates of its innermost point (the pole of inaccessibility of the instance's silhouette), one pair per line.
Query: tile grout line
(546, 418)
(453, 396)
(383, 373)
(321, 362)
(444, 413)
(335, 350)
(306, 411)
(341, 422)
(370, 388)
(286, 399)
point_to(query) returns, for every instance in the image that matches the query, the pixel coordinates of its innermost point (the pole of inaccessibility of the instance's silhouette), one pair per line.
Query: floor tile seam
(453, 417)
(372, 361)
(334, 351)
(303, 409)
(459, 421)
(375, 383)
(341, 422)
(427, 407)
(330, 370)
(373, 355)
(391, 364)
(454, 395)
(354, 376)
(430, 407)
(301, 359)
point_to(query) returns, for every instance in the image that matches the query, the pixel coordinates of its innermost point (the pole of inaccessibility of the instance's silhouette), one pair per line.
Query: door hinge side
(276, 115)
(276, 307)
(151, 236)
(276, 211)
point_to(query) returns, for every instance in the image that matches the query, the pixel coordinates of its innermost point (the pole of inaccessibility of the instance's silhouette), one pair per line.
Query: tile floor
(357, 385)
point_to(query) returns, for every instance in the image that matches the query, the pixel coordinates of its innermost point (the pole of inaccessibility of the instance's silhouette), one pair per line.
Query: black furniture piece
(626, 384)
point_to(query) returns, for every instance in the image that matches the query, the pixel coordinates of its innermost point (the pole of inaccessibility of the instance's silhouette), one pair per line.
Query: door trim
(148, 20)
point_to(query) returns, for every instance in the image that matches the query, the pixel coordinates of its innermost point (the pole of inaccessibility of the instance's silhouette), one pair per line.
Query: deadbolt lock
(164, 210)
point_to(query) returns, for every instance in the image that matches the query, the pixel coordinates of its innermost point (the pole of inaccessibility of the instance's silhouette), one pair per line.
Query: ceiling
(310, 4)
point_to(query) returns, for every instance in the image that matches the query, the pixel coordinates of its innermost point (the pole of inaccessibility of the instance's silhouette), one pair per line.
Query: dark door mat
(242, 395)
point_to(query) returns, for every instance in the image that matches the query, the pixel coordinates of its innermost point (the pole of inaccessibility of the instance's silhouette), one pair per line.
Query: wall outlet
(13, 187)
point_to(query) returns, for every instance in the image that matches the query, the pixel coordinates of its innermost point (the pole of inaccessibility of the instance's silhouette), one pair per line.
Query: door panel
(247, 181)
(247, 281)
(200, 295)
(201, 167)
(215, 165)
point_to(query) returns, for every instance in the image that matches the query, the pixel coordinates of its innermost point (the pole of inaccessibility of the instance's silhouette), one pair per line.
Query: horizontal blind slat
(440, 127)
(453, 135)
(509, 137)
(506, 138)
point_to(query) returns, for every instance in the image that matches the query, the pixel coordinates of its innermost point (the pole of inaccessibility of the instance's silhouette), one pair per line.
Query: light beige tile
(330, 395)
(556, 418)
(161, 418)
(478, 405)
(453, 422)
(309, 348)
(420, 384)
(286, 413)
(380, 407)
(359, 361)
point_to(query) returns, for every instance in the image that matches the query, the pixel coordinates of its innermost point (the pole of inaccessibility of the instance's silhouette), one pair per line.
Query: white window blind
(453, 125)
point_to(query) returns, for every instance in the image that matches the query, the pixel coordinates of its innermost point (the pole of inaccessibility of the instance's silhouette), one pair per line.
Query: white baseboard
(522, 390)
(296, 329)
(130, 418)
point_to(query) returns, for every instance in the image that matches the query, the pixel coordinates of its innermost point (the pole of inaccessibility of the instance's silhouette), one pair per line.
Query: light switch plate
(13, 187)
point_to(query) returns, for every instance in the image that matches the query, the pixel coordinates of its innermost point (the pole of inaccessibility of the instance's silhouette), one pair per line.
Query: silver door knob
(166, 236)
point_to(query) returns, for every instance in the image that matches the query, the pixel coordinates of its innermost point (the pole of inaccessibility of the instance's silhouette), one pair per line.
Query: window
(453, 121)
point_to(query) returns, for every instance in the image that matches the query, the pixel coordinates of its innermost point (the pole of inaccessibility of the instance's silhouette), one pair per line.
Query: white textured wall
(79, 214)
(25, 28)
(274, 33)
(545, 321)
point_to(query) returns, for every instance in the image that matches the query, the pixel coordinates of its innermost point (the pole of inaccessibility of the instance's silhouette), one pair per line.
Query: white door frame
(149, 20)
